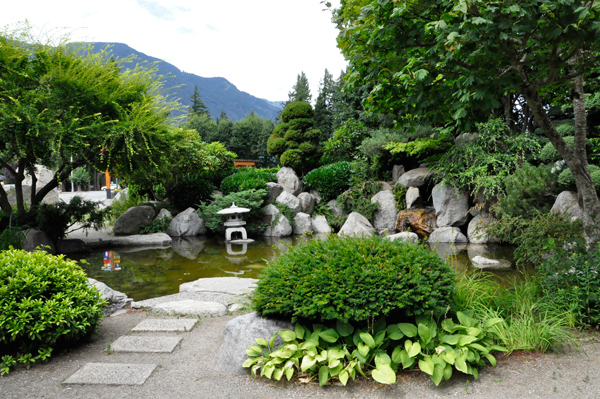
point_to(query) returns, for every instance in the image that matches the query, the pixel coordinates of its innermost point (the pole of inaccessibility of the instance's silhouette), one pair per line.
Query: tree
(300, 91)
(458, 59)
(324, 105)
(249, 138)
(198, 107)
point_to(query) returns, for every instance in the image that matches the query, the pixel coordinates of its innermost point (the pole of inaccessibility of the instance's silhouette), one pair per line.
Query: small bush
(330, 180)
(354, 280)
(566, 179)
(248, 179)
(251, 199)
(400, 196)
(549, 154)
(45, 301)
(157, 226)
(358, 199)
(191, 192)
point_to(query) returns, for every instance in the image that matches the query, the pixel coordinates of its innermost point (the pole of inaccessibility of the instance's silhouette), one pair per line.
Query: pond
(144, 273)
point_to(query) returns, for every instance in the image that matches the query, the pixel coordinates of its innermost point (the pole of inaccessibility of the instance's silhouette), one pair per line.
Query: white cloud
(260, 46)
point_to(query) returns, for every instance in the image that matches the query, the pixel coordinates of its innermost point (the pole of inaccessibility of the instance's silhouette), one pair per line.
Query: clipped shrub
(354, 280)
(45, 301)
(297, 110)
(248, 179)
(566, 179)
(330, 180)
(549, 154)
(251, 199)
(191, 192)
(400, 196)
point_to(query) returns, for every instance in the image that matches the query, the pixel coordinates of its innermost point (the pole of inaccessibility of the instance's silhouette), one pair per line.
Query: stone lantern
(234, 231)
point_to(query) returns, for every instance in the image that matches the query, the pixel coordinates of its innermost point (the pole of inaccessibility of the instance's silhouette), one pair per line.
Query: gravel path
(188, 373)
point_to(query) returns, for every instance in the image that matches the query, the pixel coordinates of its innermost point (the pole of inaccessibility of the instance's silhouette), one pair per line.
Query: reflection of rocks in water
(188, 247)
(164, 254)
(256, 266)
(446, 249)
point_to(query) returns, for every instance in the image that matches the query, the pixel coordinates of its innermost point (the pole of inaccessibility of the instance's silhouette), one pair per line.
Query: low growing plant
(330, 180)
(248, 179)
(358, 199)
(157, 226)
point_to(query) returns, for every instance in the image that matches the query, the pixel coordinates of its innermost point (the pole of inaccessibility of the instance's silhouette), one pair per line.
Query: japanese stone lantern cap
(233, 209)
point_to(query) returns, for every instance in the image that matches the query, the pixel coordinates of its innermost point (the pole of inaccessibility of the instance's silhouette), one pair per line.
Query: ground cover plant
(45, 301)
(248, 179)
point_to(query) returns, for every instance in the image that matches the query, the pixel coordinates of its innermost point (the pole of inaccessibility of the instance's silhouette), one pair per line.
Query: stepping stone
(191, 307)
(225, 285)
(165, 325)
(145, 344)
(111, 374)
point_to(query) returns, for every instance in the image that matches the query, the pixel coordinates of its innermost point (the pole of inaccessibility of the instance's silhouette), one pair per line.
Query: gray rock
(356, 225)
(386, 186)
(273, 191)
(12, 195)
(307, 203)
(397, 171)
(43, 176)
(187, 223)
(480, 262)
(415, 178)
(476, 230)
(335, 209)
(36, 239)
(145, 240)
(447, 249)
(320, 225)
(188, 247)
(279, 225)
(239, 334)
(451, 208)
(447, 234)
(413, 198)
(115, 299)
(289, 181)
(290, 200)
(567, 203)
(317, 196)
(404, 236)
(122, 195)
(191, 307)
(386, 217)
(134, 220)
(223, 285)
(302, 224)
(164, 214)
(71, 246)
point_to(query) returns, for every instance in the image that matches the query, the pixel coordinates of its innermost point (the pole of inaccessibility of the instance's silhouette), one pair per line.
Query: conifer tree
(198, 107)
(300, 91)
(324, 106)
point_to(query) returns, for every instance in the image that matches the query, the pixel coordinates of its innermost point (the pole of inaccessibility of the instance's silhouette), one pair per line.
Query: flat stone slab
(111, 374)
(156, 239)
(224, 285)
(171, 325)
(224, 299)
(139, 344)
(480, 262)
(191, 307)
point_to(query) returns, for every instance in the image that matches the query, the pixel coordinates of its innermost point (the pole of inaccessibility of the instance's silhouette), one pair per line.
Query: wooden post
(108, 193)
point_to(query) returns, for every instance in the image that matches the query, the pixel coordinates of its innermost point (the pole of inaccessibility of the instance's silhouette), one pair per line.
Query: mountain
(217, 93)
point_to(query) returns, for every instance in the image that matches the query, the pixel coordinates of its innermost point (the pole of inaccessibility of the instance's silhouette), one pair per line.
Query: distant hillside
(217, 93)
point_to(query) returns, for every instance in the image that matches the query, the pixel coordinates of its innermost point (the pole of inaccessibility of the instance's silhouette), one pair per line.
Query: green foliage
(419, 147)
(248, 179)
(549, 154)
(11, 236)
(400, 196)
(285, 211)
(198, 107)
(353, 280)
(192, 191)
(570, 280)
(80, 176)
(55, 219)
(300, 92)
(566, 179)
(251, 199)
(345, 142)
(531, 234)
(157, 226)
(343, 351)
(159, 191)
(119, 207)
(45, 301)
(296, 110)
(358, 199)
(530, 190)
(330, 180)
(481, 165)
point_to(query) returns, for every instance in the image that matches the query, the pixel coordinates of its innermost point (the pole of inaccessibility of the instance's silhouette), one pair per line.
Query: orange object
(107, 180)
(244, 163)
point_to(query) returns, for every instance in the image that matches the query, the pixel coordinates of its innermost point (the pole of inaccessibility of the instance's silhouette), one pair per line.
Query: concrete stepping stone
(170, 325)
(111, 374)
(191, 307)
(139, 344)
(225, 285)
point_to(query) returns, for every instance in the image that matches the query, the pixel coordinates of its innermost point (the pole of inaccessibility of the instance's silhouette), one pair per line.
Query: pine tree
(223, 116)
(300, 91)
(198, 107)
(324, 107)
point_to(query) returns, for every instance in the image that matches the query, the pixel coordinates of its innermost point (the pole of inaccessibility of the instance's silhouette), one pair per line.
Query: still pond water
(149, 273)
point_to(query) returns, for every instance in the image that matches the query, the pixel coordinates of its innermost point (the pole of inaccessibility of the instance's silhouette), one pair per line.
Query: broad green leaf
(307, 362)
(497, 348)
(460, 113)
(448, 325)
(396, 358)
(394, 332)
(308, 345)
(382, 359)
(438, 374)
(321, 357)
(329, 335)
(299, 330)
(449, 339)
(335, 353)
(367, 339)
(343, 377)
(344, 329)
(333, 363)
(414, 350)
(379, 338)
(424, 332)
(249, 362)
(478, 347)
(474, 331)
(464, 319)
(461, 365)
(254, 350)
(447, 372)
(491, 359)
(410, 330)
(363, 349)
(287, 335)
(272, 340)
(336, 370)
(267, 371)
(426, 365)
(384, 374)
(466, 339)
(261, 341)
(449, 356)
(323, 375)
(318, 328)
(289, 373)
(277, 374)
(379, 325)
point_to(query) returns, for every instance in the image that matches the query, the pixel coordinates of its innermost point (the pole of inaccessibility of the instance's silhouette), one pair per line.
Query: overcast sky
(258, 45)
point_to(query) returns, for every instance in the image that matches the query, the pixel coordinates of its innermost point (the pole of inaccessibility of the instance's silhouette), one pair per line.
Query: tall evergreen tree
(300, 91)
(198, 107)
(324, 106)
(222, 116)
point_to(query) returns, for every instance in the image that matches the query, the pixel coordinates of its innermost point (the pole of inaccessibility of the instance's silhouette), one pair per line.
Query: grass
(12, 236)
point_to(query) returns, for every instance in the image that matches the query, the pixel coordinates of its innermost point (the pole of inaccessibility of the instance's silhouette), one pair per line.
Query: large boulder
(289, 181)
(116, 300)
(356, 225)
(317, 196)
(43, 176)
(320, 225)
(220, 285)
(447, 234)
(404, 236)
(476, 230)
(273, 191)
(239, 334)
(480, 262)
(36, 239)
(413, 198)
(278, 224)
(187, 223)
(302, 224)
(385, 218)
(143, 240)
(397, 171)
(307, 203)
(566, 203)
(420, 221)
(415, 178)
(451, 208)
(134, 220)
(164, 214)
(290, 200)
(335, 209)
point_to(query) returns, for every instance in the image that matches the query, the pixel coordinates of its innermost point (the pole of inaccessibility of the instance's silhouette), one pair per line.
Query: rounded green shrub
(301, 124)
(293, 135)
(248, 179)
(549, 154)
(330, 180)
(275, 145)
(292, 158)
(354, 280)
(191, 192)
(296, 110)
(45, 301)
(566, 179)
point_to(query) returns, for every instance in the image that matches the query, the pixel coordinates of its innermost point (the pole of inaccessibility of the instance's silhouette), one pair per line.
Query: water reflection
(112, 262)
